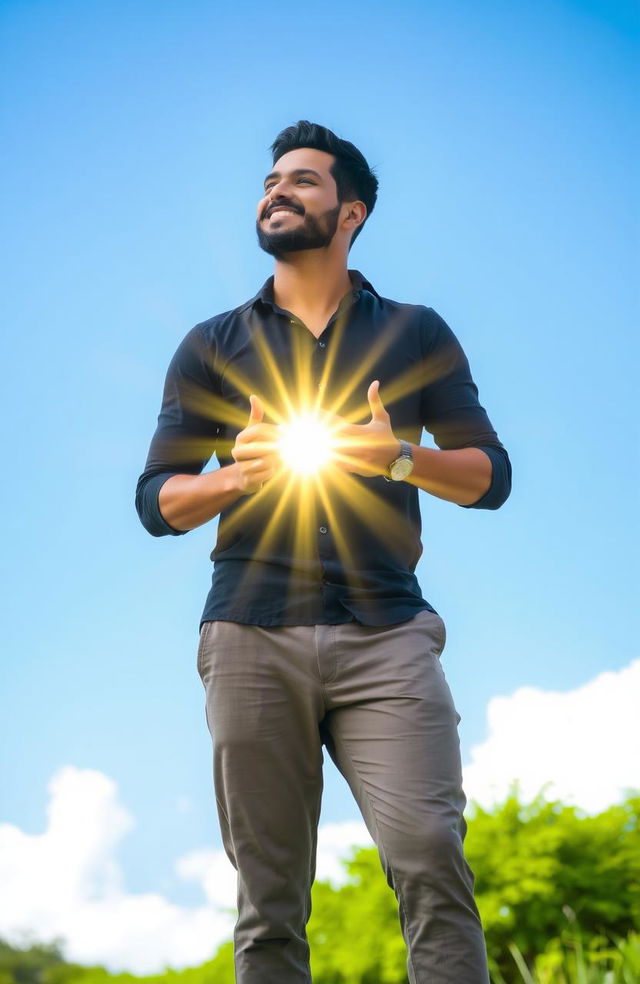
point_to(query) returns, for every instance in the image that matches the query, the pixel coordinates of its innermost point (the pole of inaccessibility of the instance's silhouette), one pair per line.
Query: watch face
(400, 469)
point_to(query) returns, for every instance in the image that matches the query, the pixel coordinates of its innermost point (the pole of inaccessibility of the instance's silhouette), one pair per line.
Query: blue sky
(505, 143)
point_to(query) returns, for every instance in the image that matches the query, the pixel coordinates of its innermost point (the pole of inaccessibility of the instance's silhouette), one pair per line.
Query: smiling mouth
(280, 210)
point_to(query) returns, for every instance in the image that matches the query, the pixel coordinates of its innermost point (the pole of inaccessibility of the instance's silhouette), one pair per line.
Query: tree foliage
(540, 864)
(354, 930)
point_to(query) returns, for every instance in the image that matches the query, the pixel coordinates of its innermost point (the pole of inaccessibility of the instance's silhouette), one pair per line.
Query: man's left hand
(366, 449)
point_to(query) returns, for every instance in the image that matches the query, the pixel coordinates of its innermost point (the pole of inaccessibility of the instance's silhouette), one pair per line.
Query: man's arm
(471, 467)
(186, 433)
(187, 501)
(172, 496)
(452, 413)
(462, 476)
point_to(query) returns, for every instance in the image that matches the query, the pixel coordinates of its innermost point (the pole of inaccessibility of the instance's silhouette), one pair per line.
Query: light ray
(241, 511)
(372, 357)
(306, 522)
(339, 538)
(303, 372)
(269, 361)
(378, 513)
(332, 353)
(421, 374)
(199, 400)
(272, 528)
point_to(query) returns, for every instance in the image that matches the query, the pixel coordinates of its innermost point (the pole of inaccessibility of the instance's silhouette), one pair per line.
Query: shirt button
(323, 529)
(322, 344)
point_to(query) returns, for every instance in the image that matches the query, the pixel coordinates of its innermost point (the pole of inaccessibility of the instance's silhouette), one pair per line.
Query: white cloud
(584, 742)
(67, 883)
(335, 841)
(214, 872)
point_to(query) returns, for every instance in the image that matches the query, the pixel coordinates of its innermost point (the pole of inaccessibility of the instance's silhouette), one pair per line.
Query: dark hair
(355, 181)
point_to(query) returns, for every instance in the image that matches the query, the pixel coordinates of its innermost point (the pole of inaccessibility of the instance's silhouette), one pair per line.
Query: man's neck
(311, 284)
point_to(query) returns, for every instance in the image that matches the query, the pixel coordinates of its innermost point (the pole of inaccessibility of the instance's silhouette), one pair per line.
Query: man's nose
(277, 193)
(278, 190)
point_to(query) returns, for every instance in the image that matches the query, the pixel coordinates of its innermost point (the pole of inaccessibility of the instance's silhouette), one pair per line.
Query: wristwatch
(402, 466)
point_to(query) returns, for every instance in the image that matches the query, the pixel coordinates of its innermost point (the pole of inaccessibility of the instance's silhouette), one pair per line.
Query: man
(315, 631)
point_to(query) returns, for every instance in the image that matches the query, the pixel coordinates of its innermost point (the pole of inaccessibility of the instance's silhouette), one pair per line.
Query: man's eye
(307, 180)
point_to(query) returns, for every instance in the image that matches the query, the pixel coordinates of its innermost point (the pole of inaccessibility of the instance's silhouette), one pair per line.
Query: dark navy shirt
(326, 551)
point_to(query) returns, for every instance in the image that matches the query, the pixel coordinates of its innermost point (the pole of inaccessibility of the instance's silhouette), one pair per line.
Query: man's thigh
(262, 695)
(263, 706)
(392, 727)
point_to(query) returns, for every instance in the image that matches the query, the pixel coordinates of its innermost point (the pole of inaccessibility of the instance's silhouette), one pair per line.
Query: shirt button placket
(320, 351)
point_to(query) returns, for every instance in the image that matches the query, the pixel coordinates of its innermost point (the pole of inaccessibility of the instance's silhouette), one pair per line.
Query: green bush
(535, 863)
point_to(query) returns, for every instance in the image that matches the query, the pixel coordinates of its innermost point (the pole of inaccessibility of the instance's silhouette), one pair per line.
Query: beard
(316, 232)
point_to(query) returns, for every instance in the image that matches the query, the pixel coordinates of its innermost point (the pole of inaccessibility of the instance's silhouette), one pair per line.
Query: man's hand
(366, 449)
(256, 451)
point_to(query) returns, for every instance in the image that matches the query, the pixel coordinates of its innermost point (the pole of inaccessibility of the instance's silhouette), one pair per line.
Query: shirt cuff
(148, 507)
(498, 491)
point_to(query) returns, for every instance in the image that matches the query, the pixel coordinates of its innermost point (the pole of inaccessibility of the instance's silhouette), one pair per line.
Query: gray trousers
(378, 700)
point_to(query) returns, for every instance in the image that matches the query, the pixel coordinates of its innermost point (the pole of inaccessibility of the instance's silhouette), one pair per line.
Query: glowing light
(305, 444)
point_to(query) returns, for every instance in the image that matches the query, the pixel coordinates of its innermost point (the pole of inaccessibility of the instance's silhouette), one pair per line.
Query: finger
(328, 418)
(257, 410)
(376, 405)
(255, 450)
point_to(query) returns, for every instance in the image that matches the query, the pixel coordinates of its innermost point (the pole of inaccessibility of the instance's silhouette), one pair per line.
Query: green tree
(354, 931)
(44, 964)
(535, 863)
(29, 964)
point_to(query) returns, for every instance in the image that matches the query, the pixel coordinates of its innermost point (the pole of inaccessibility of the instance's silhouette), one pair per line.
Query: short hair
(355, 181)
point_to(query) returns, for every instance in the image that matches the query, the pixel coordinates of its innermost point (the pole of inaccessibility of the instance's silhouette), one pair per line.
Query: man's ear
(355, 216)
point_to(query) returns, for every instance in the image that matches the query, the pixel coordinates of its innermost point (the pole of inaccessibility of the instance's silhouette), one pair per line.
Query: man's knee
(425, 850)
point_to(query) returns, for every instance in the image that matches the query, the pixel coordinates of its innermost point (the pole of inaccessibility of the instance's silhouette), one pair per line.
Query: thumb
(257, 410)
(376, 405)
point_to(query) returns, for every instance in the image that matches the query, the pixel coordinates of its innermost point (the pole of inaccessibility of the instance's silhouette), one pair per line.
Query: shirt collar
(358, 281)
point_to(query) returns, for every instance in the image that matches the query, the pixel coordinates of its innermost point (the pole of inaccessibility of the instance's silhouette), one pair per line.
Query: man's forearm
(187, 501)
(461, 476)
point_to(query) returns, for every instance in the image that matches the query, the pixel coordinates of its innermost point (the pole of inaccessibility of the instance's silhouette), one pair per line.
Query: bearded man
(315, 632)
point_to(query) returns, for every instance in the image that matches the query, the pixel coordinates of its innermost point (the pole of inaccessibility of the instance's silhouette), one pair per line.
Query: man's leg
(263, 706)
(392, 732)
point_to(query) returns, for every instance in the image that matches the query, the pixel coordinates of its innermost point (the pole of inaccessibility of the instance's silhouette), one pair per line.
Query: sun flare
(314, 477)
(305, 444)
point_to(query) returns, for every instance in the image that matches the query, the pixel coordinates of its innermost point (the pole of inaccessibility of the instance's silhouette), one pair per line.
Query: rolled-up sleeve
(187, 430)
(451, 410)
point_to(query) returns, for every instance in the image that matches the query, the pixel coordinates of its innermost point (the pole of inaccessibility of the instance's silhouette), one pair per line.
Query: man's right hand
(255, 452)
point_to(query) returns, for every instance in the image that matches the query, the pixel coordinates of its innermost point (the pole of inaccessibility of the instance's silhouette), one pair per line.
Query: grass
(603, 961)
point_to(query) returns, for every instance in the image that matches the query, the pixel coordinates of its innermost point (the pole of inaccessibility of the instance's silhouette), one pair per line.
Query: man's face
(300, 208)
